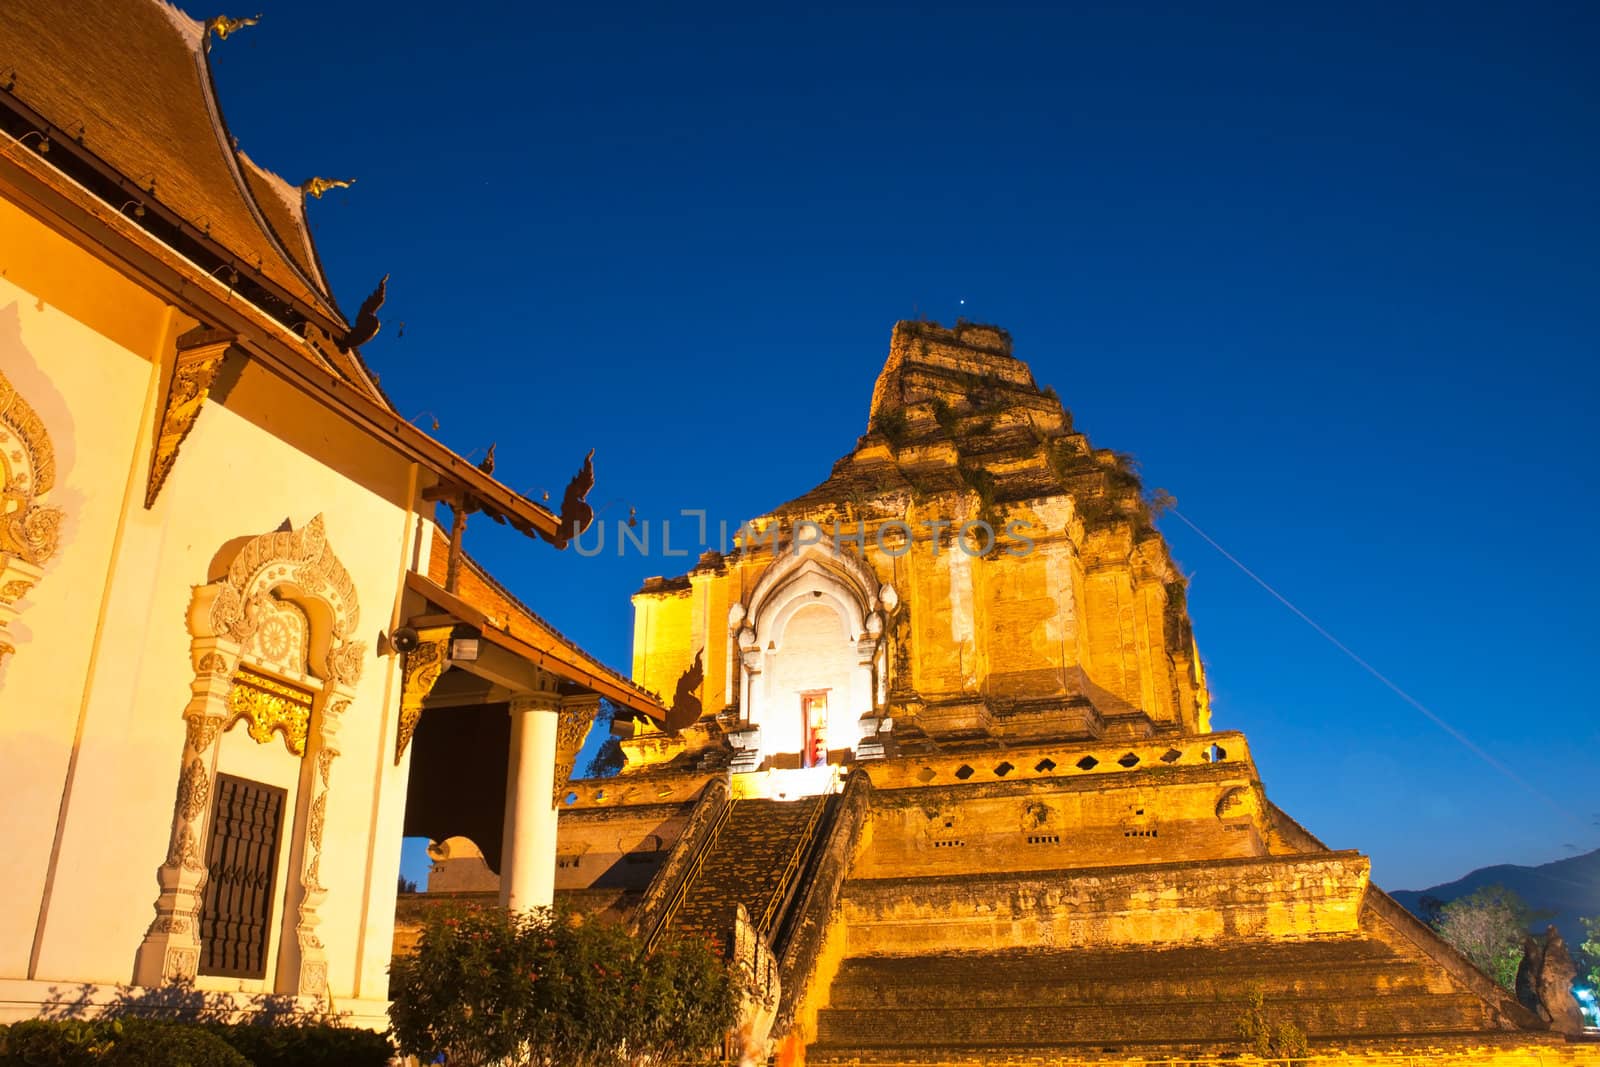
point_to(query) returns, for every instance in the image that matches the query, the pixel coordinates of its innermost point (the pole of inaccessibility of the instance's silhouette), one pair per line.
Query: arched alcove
(809, 653)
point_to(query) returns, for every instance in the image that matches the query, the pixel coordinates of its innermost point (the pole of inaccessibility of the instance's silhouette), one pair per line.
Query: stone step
(1028, 964)
(746, 864)
(1164, 1021)
(1157, 1054)
(1312, 968)
(954, 989)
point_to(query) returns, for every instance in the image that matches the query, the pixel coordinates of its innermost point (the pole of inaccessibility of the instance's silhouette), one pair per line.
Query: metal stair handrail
(791, 870)
(691, 873)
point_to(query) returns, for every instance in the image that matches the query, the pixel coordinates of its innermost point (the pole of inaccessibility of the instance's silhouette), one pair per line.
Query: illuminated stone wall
(1071, 625)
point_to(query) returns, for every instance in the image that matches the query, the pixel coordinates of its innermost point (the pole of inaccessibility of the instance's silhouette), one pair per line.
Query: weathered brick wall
(1169, 904)
(1157, 817)
(616, 848)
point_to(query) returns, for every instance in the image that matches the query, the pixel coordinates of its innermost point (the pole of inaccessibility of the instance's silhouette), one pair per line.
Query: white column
(528, 848)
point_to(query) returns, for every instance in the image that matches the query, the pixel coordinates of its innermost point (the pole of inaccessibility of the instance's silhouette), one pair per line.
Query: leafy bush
(55, 1044)
(115, 1043)
(1589, 952)
(1266, 1035)
(308, 1046)
(134, 1042)
(486, 985)
(148, 1043)
(894, 426)
(1488, 927)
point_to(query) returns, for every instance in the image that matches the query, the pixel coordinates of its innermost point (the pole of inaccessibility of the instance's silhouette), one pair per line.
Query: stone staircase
(754, 861)
(984, 1006)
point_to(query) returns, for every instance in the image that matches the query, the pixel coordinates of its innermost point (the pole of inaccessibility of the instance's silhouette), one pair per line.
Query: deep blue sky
(1330, 273)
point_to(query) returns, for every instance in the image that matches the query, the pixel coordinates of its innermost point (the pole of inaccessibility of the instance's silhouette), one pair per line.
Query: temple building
(939, 768)
(230, 619)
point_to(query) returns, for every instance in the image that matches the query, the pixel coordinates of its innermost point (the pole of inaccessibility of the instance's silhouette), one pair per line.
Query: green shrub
(894, 426)
(55, 1044)
(136, 1042)
(308, 1046)
(486, 985)
(151, 1043)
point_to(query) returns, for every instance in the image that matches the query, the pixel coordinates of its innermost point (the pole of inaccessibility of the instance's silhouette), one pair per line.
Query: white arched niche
(810, 658)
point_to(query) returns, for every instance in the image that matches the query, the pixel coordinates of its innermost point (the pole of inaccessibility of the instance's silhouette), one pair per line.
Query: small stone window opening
(964, 772)
(1045, 766)
(1088, 763)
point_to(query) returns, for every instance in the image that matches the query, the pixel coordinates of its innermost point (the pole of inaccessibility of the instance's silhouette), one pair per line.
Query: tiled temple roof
(479, 589)
(129, 83)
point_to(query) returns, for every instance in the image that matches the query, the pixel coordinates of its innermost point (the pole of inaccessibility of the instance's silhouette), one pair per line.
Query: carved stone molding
(170, 952)
(301, 563)
(577, 713)
(230, 624)
(200, 353)
(306, 957)
(423, 667)
(30, 530)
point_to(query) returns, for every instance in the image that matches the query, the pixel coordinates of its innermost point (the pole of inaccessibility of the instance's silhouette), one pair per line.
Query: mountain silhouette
(1569, 888)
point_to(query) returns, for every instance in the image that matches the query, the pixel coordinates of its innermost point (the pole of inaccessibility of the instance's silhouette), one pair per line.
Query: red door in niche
(814, 710)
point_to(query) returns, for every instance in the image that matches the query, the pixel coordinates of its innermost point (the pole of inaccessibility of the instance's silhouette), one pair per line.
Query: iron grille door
(241, 860)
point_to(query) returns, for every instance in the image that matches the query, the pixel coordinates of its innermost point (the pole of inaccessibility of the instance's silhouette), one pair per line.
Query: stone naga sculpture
(1544, 982)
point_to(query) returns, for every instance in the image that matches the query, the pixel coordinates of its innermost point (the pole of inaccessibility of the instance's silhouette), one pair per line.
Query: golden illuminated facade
(953, 774)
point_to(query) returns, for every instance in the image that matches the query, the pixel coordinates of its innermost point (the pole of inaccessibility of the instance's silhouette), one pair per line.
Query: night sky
(1329, 273)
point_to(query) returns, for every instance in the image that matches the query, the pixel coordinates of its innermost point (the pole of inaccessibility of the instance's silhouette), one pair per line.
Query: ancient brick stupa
(943, 773)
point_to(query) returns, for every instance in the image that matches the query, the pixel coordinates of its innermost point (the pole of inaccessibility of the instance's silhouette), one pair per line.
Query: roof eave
(44, 191)
(550, 653)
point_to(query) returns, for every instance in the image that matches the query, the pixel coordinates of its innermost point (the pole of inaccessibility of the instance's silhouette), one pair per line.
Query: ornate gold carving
(270, 706)
(317, 186)
(424, 665)
(222, 25)
(571, 729)
(211, 663)
(200, 353)
(30, 532)
(27, 471)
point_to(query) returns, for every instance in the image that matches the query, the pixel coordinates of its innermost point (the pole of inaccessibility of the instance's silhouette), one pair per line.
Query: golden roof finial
(317, 186)
(222, 25)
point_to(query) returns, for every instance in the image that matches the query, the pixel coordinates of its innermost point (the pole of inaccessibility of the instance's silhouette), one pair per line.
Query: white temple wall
(91, 702)
(90, 393)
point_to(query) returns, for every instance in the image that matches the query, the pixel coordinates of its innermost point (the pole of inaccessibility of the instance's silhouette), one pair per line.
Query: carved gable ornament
(200, 353)
(294, 564)
(30, 531)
